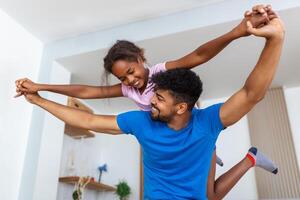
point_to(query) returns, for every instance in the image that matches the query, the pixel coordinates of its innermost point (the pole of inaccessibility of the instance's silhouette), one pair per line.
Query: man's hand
(33, 98)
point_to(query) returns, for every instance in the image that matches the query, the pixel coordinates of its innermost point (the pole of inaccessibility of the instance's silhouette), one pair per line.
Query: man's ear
(181, 108)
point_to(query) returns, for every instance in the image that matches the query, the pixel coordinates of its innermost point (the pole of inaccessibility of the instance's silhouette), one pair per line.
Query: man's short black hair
(183, 84)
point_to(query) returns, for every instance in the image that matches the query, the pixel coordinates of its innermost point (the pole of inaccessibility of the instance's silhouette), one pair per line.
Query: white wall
(120, 153)
(232, 146)
(292, 99)
(51, 143)
(20, 56)
(103, 39)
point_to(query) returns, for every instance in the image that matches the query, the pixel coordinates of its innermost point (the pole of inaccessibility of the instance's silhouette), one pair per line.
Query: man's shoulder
(133, 122)
(139, 114)
(212, 107)
(207, 111)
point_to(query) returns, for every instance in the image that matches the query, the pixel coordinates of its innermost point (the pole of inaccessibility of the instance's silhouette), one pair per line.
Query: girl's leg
(217, 189)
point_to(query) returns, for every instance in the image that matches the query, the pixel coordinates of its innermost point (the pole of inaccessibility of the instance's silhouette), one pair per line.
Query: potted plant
(123, 190)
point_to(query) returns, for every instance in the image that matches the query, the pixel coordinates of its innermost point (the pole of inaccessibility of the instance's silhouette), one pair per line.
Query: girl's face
(130, 73)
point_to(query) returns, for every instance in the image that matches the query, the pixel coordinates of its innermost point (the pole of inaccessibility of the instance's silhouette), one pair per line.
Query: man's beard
(158, 117)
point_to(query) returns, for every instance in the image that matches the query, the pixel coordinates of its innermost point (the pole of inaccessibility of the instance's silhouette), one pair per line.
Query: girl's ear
(142, 56)
(140, 60)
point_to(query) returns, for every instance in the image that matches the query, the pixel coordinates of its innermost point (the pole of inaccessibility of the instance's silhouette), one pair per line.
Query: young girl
(126, 61)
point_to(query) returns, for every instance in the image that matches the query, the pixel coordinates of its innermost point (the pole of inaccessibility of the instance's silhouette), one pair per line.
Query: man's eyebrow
(160, 95)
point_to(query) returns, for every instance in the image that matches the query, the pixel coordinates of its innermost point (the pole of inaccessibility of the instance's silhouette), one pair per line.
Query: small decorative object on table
(79, 187)
(123, 190)
(102, 168)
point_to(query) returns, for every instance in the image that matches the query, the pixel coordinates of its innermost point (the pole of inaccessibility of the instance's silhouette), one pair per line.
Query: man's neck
(180, 121)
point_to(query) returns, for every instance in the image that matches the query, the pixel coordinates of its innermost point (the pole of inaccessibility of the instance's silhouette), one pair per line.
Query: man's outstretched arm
(260, 78)
(98, 123)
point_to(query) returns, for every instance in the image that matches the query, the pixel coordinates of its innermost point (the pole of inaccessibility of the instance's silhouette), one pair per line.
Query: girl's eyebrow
(126, 73)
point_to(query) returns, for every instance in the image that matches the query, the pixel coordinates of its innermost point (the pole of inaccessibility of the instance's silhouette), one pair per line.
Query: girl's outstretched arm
(78, 91)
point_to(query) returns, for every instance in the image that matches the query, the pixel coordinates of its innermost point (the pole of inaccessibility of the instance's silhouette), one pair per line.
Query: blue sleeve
(131, 122)
(212, 114)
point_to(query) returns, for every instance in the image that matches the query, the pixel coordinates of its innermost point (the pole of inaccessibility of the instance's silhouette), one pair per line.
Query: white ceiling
(51, 20)
(223, 75)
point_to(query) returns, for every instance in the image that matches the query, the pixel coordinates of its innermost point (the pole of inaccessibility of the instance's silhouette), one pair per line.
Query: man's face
(163, 106)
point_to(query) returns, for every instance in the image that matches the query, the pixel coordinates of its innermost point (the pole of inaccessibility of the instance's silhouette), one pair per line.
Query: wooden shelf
(75, 103)
(78, 133)
(75, 132)
(93, 185)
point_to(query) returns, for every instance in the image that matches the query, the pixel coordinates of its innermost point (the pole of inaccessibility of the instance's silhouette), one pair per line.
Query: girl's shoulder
(160, 67)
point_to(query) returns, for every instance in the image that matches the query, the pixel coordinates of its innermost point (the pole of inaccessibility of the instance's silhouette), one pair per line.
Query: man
(178, 140)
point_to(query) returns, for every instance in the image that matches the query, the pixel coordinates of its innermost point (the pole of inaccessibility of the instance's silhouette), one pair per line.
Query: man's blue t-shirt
(176, 163)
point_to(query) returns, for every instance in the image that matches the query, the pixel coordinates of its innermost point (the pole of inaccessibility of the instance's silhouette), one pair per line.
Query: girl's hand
(25, 85)
(274, 29)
